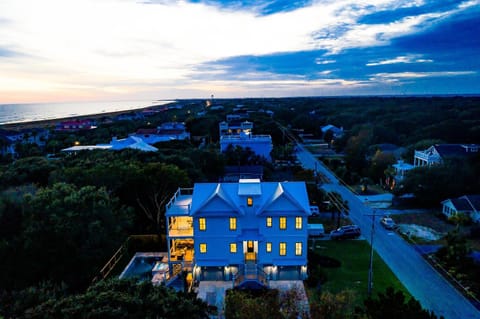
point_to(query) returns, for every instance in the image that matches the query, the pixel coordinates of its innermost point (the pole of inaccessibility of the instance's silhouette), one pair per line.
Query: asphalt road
(422, 280)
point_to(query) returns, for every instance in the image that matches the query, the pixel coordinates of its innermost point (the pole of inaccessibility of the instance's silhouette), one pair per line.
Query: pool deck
(160, 255)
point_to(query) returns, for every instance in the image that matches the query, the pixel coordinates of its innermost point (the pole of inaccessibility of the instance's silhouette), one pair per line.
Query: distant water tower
(210, 102)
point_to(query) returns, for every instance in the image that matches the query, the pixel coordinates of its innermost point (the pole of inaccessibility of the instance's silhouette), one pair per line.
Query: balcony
(180, 227)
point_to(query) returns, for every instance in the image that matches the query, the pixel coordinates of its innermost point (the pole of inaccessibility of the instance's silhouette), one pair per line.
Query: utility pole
(370, 268)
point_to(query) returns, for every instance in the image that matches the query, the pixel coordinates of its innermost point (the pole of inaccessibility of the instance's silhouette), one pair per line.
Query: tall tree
(68, 233)
(153, 187)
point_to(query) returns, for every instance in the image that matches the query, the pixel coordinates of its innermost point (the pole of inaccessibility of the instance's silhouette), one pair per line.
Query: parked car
(388, 223)
(346, 232)
(314, 210)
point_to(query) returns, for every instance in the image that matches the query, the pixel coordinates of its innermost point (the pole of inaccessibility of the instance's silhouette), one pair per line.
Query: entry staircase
(250, 275)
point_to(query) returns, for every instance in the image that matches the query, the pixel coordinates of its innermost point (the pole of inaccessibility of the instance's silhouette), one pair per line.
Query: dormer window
(249, 201)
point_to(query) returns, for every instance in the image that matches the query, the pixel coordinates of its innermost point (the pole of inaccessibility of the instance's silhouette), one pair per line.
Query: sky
(87, 50)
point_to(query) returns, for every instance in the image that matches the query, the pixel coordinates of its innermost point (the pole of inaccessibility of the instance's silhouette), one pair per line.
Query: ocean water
(18, 113)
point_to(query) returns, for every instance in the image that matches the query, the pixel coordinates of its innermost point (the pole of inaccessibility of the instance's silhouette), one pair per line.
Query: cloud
(84, 43)
(411, 58)
(415, 75)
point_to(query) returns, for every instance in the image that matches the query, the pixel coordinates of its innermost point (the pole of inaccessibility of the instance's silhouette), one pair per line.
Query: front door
(250, 250)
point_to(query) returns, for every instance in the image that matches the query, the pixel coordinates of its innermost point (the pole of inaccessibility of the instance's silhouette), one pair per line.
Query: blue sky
(57, 50)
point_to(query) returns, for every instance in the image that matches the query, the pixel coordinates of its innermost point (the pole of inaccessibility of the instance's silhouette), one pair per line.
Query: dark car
(346, 232)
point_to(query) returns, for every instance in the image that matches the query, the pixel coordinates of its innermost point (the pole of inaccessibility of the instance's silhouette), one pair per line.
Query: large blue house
(248, 232)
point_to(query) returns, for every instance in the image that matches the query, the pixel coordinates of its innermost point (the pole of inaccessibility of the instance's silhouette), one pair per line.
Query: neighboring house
(129, 116)
(401, 169)
(10, 138)
(261, 145)
(166, 132)
(75, 125)
(437, 153)
(337, 132)
(216, 107)
(468, 205)
(173, 130)
(235, 124)
(115, 145)
(239, 133)
(236, 173)
(247, 233)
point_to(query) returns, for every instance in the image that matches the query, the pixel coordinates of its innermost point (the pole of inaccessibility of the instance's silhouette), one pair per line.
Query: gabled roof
(465, 203)
(204, 195)
(290, 194)
(331, 127)
(449, 150)
(267, 196)
(133, 143)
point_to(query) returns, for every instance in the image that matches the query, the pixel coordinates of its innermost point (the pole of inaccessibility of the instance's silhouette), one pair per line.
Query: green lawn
(353, 273)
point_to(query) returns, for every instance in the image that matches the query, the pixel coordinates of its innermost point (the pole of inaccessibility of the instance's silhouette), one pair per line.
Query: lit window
(283, 249)
(283, 222)
(233, 223)
(269, 247)
(298, 222)
(298, 249)
(249, 201)
(233, 248)
(203, 248)
(269, 221)
(202, 224)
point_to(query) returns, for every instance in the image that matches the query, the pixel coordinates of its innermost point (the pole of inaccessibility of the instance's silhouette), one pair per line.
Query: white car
(388, 223)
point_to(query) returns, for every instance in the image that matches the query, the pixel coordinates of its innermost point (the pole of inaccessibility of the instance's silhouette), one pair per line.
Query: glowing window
(249, 201)
(203, 248)
(298, 249)
(298, 222)
(269, 221)
(233, 248)
(233, 223)
(269, 247)
(283, 249)
(202, 223)
(283, 222)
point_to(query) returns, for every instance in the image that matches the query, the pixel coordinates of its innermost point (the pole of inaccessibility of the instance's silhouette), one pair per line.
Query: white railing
(251, 137)
(179, 192)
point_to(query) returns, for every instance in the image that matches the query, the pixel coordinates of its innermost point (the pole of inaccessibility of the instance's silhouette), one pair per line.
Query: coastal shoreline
(17, 126)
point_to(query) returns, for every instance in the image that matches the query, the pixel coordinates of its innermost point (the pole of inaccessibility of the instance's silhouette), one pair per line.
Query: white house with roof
(130, 142)
(249, 232)
(165, 132)
(337, 132)
(401, 169)
(468, 205)
(239, 133)
(438, 153)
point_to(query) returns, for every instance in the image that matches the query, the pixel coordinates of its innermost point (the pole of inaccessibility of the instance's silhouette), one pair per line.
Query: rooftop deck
(181, 203)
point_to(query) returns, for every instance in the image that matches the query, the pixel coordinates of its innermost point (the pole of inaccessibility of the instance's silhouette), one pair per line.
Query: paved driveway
(423, 282)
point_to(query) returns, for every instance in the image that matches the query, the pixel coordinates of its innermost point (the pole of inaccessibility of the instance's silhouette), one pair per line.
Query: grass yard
(353, 273)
